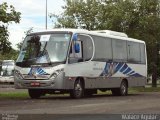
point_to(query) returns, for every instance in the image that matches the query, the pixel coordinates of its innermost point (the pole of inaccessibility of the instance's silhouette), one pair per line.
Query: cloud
(36, 7)
(32, 15)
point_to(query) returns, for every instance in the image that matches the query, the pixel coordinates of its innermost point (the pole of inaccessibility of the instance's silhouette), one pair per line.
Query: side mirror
(77, 47)
(75, 37)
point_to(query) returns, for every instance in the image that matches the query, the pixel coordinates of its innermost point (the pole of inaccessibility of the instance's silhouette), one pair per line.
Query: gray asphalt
(139, 103)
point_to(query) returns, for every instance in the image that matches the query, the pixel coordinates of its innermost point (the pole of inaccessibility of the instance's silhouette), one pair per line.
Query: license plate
(35, 84)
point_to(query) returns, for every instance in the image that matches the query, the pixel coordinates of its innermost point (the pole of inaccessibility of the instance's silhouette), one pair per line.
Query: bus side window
(87, 47)
(82, 49)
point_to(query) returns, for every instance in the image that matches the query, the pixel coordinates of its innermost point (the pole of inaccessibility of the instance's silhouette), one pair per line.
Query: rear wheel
(124, 88)
(122, 91)
(78, 90)
(34, 93)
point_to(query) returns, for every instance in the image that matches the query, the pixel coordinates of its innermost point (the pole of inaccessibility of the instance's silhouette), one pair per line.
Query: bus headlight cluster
(18, 74)
(56, 73)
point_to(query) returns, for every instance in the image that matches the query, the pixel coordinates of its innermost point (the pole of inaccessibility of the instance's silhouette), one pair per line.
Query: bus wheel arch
(122, 90)
(78, 89)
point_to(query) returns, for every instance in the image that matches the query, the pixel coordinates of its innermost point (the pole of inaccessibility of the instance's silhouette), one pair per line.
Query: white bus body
(7, 71)
(80, 62)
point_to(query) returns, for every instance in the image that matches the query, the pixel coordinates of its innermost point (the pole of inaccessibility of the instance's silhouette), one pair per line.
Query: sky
(33, 14)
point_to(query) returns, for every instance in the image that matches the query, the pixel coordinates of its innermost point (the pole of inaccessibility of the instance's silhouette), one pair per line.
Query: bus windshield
(44, 49)
(8, 63)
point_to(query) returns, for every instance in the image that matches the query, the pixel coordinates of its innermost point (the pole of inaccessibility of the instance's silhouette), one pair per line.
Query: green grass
(22, 95)
(136, 90)
(146, 89)
(108, 92)
(14, 95)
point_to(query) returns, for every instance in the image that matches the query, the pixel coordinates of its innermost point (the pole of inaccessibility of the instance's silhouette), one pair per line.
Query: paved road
(98, 104)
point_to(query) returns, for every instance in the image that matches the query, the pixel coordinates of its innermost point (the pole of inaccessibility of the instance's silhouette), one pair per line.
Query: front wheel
(34, 93)
(78, 90)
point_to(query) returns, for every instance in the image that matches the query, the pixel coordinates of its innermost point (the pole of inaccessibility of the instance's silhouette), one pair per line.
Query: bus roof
(103, 33)
(63, 30)
(8, 61)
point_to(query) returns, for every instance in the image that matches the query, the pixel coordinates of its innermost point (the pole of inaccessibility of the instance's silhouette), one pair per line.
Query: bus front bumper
(53, 83)
(6, 79)
(26, 84)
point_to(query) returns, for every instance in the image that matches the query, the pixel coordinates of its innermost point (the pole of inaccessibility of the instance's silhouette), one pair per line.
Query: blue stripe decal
(131, 73)
(127, 71)
(112, 68)
(41, 72)
(119, 66)
(136, 75)
(105, 71)
(123, 68)
(37, 70)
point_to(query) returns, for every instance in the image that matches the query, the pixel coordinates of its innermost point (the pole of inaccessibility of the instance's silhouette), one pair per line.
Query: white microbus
(80, 62)
(7, 71)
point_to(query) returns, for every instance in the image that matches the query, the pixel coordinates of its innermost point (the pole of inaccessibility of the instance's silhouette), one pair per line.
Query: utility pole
(46, 14)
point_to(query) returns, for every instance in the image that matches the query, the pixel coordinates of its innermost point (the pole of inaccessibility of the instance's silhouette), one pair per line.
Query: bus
(80, 62)
(7, 71)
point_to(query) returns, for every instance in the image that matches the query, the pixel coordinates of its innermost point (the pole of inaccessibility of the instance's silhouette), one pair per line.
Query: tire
(34, 93)
(78, 90)
(124, 88)
(122, 91)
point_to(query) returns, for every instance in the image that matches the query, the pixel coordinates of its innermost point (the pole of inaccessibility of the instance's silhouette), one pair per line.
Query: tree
(149, 24)
(12, 55)
(19, 45)
(7, 16)
(78, 14)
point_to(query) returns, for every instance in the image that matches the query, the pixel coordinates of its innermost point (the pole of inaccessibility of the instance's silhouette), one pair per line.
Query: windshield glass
(7, 63)
(45, 48)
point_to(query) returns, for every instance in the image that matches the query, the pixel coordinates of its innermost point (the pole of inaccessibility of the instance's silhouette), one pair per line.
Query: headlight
(18, 74)
(56, 73)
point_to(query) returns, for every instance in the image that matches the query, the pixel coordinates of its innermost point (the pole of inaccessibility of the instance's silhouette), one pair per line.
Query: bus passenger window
(87, 47)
